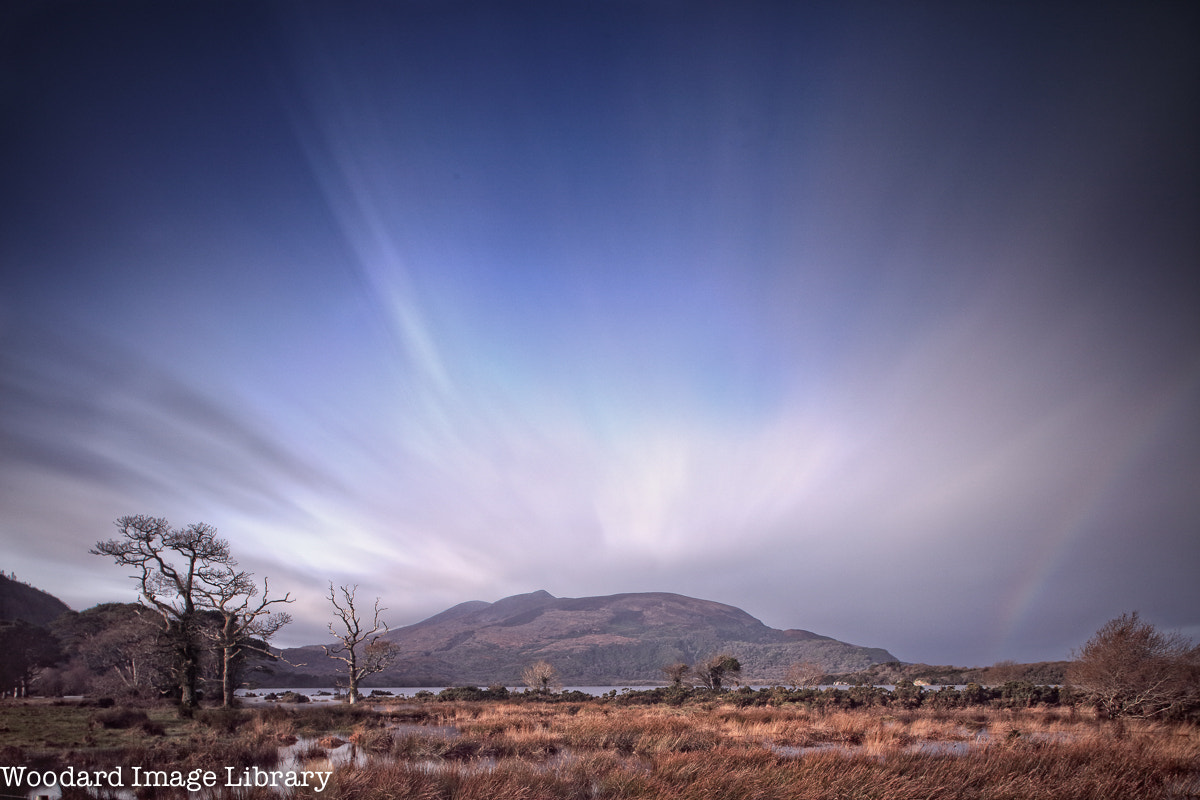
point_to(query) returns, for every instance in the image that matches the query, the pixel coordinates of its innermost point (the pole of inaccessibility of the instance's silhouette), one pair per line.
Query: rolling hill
(22, 601)
(613, 639)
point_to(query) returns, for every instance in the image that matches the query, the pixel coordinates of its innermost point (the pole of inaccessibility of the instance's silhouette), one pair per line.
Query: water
(329, 693)
(322, 694)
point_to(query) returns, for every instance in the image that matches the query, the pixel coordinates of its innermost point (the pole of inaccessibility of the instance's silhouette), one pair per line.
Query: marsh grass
(498, 751)
(41, 726)
(724, 752)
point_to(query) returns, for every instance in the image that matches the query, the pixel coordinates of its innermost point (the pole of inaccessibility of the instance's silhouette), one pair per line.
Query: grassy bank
(498, 750)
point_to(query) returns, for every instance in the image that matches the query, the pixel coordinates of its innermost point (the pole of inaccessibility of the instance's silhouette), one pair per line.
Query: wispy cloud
(850, 321)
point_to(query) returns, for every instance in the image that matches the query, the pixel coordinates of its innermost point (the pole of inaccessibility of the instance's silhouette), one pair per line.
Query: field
(596, 749)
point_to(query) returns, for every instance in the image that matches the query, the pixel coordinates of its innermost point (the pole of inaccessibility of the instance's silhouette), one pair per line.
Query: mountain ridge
(20, 601)
(599, 640)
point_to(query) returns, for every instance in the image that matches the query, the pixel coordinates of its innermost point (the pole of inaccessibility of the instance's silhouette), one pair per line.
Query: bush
(1022, 694)
(1129, 668)
(120, 718)
(127, 718)
(473, 693)
(907, 695)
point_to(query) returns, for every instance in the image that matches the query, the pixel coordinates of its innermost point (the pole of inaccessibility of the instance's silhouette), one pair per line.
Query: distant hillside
(623, 638)
(22, 601)
(1043, 672)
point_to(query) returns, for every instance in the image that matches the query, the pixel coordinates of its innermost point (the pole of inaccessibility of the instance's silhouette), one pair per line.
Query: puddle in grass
(943, 748)
(417, 729)
(331, 752)
(347, 754)
(969, 740)
(309, 753)
(932, 747)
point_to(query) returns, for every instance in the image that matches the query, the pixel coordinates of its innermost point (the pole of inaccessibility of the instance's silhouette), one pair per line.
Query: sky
(876, 320)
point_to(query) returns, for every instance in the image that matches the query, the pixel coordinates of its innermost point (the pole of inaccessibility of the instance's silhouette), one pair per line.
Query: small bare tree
(171, 567)
(115, 648)
(361, 649)
(805, 674)
(676, 672)
(541, 676)
(1129, 668)
(246, 626)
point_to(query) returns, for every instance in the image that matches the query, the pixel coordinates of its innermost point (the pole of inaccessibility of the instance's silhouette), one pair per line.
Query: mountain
(22, 601)
(615, 639)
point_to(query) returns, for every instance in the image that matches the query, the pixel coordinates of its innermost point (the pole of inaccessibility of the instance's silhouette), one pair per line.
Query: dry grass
(1052, 772)
(516, 751)
(502, 751)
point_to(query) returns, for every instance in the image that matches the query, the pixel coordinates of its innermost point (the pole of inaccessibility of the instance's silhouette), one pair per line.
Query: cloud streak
(854, 319)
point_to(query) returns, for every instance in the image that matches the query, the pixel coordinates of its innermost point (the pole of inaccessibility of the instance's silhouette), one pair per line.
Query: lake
(329, 693)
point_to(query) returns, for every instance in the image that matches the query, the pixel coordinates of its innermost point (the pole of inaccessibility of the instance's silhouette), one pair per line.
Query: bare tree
(713, 671)
(171, 566)
(1129, 668)
(115, 648)
(362, 649)
(246, 626)
(541, 676)
(676, 672)
(805, 674)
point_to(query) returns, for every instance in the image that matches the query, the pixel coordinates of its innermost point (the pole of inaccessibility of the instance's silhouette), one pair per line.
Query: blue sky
(880, 322)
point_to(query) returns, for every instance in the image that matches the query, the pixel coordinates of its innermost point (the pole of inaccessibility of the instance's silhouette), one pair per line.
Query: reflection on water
(328, 753)
(320, 754)
(966, 741)
(327, 694)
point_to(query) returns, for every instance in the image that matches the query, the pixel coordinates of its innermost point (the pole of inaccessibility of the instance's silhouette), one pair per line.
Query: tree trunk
(189, 673)
(227, 677)
(184, 633)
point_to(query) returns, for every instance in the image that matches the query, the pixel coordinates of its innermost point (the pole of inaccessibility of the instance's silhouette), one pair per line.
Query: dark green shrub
(945, 698)
(906, 694)
(1023, 694)
(975, 694)
(495, 692)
